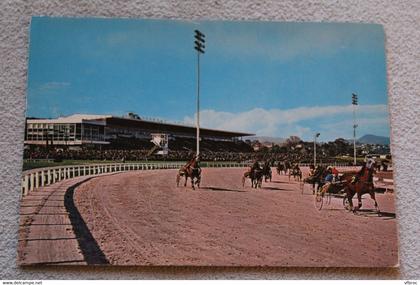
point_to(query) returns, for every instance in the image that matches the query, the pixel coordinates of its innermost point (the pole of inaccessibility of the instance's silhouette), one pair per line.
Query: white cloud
(378, 121)
(297, 121)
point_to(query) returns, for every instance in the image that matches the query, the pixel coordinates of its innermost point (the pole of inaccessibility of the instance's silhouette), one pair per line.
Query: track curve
(142, 218)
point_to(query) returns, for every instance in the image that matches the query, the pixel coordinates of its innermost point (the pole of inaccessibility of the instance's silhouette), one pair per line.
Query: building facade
(82, 129)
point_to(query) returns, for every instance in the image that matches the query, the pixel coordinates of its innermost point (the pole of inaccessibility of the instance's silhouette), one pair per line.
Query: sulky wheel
(319, 200)
(328, 199)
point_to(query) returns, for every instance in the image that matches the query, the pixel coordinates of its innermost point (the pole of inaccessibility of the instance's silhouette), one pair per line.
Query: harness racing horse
(256, 176)
(316, 178)
(191, 170)
(296, 173)
(266, 171)
(287, 167)
(281, 168)
(361, 184)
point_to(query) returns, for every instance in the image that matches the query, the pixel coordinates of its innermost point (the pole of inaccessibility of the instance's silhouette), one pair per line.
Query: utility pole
(315, 136)
(199, 47)
(354, 102)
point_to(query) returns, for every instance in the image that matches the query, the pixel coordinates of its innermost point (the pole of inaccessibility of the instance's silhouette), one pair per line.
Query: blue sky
(269, 78)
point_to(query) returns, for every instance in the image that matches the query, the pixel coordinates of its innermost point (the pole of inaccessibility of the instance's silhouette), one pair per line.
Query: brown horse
(266, 171)
(296, 173)
(361, 184)
(281, 168)
(191, 170)
(256, 176)
(314, 178)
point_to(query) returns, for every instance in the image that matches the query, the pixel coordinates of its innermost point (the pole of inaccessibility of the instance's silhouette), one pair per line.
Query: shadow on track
(277, 181)
(335, 209)
(373, 213)
(87, 243)
(275, 189)
(221, 189)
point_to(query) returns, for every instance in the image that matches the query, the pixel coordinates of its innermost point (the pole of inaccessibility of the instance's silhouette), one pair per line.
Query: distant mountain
(372, 139)
(267, 140)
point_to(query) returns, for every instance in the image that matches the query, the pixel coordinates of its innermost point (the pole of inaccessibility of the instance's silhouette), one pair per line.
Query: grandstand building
(101, 130)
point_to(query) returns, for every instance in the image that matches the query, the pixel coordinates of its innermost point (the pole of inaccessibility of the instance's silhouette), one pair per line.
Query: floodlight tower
(315, 136)
(354, 102)
(199, 47)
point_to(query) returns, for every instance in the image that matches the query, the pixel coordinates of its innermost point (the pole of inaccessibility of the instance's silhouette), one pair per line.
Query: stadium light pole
(315, 136)
(199, 47)
(354, 102)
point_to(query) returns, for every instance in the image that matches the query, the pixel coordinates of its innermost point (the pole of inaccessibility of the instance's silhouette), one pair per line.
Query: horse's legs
(258, 182)
(359, 199)
(177, 179)
(319, 186)
(185, 182)
(372, 195)
(350, 194)
(243, 181)
(198, 181)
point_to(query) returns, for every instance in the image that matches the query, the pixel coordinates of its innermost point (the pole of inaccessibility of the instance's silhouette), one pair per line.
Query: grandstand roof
(155, 126)
(76, 118)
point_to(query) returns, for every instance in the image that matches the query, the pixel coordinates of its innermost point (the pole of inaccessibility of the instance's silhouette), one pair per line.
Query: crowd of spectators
(173, 155)
(180, 149)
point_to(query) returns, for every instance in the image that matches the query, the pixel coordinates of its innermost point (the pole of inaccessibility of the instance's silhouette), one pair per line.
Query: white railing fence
(39, 177)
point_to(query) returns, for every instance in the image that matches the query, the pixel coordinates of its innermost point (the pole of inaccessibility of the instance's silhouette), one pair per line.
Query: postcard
(207, 143)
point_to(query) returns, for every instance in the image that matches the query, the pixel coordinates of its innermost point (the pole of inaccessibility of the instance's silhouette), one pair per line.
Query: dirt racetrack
(142, 218)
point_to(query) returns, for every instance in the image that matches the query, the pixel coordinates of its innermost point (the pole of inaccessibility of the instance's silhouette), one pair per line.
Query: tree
(342, 146)
(293, 140)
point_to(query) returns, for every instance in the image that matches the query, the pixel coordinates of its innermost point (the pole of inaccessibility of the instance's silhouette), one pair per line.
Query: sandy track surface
(47, 230)
(142, 218)
(51, 230)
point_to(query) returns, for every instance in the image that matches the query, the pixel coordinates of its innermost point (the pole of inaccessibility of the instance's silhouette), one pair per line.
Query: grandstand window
(78, 132)
(55, 132)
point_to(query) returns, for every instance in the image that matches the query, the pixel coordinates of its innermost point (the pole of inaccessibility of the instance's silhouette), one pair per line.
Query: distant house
(257, 146)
